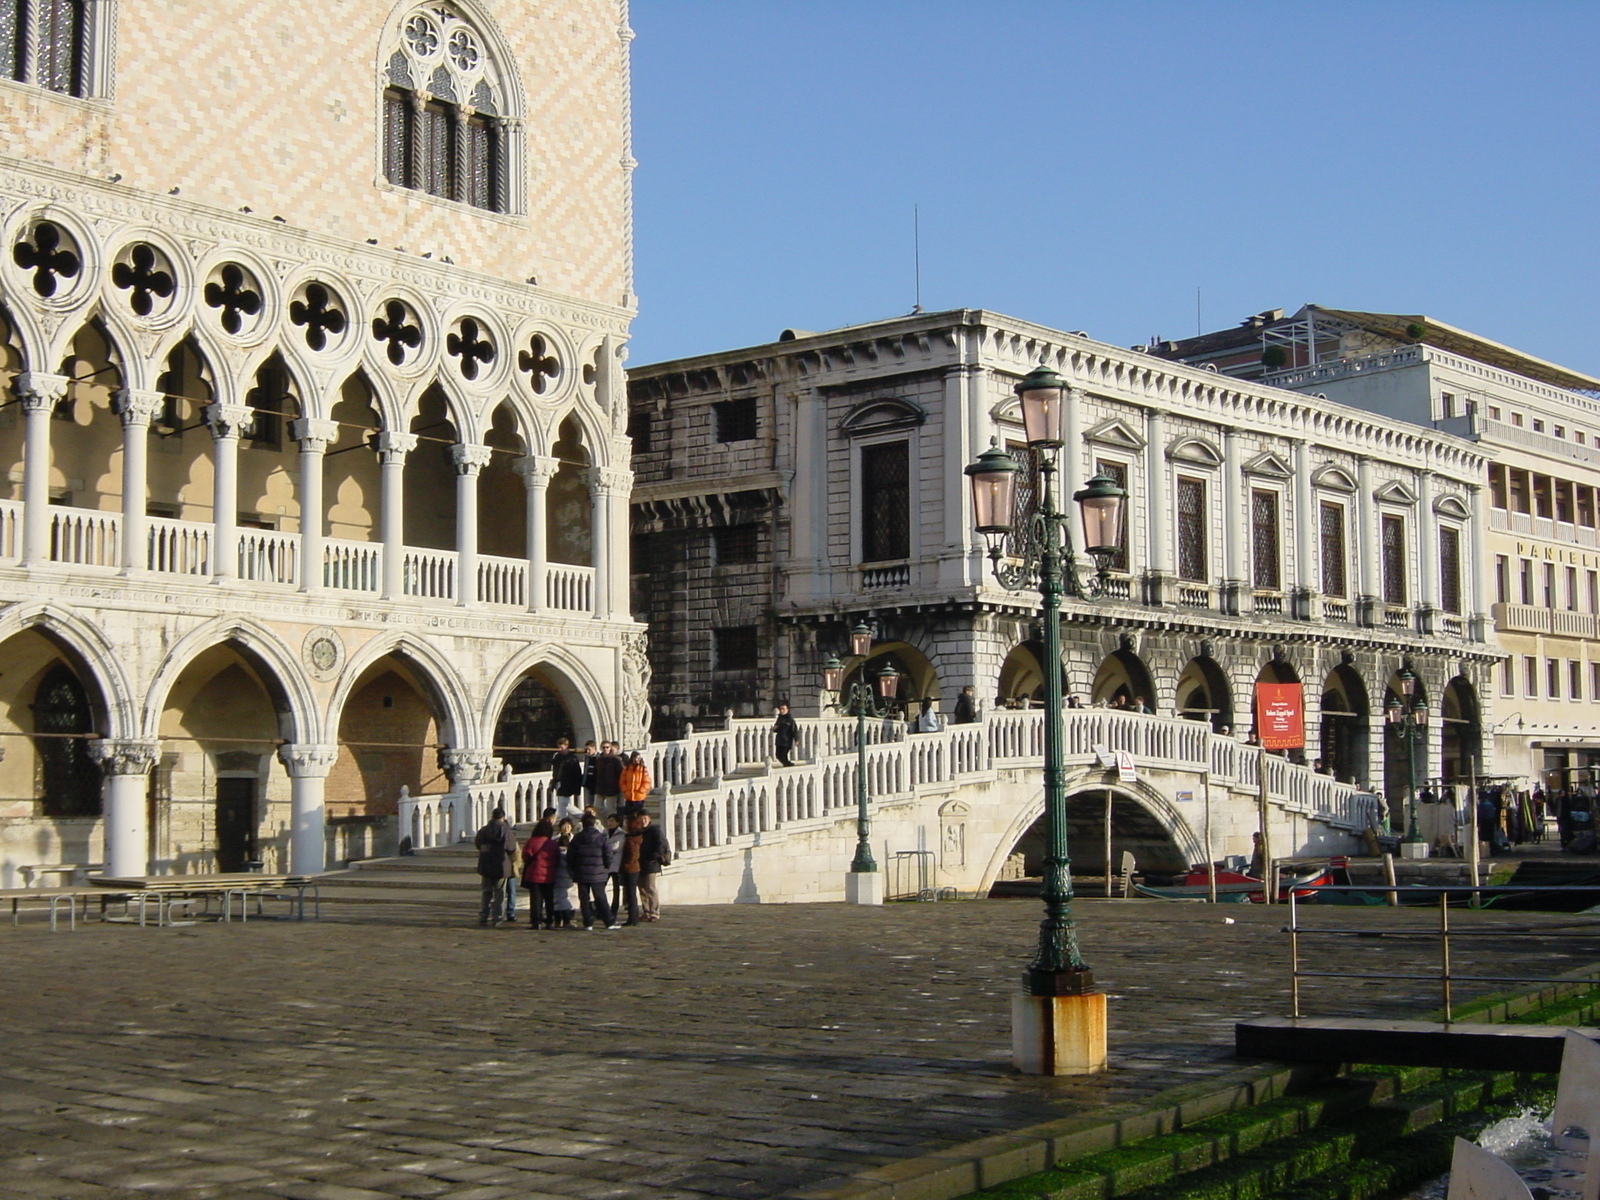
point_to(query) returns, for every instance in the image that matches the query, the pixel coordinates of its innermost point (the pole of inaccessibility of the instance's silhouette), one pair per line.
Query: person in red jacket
(539, 854)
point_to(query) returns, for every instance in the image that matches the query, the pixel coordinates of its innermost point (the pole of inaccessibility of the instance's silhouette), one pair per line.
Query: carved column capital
(314, 434)
(470, 458)
(307, 760)
(610, 481)
(226, 420)
(536, 469)
(467, 767)
(393, 447)
(136, 406)
(125, 756)
(38, 390)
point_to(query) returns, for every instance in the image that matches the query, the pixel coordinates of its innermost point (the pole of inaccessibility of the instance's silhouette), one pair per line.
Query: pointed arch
(580, 690)
(88, 648)
(435, 672)
(279, 667)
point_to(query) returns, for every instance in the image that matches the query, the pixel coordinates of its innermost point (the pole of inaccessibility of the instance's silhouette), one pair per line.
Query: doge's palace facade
(311, 329)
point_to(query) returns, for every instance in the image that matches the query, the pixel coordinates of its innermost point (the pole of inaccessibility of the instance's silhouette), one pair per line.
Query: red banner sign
(1280, 716)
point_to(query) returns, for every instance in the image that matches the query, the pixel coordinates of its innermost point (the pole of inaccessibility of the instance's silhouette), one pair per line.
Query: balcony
(1530, 618)
(92, 540)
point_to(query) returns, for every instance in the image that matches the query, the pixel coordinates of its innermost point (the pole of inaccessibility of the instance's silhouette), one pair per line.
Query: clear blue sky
(1088, 166)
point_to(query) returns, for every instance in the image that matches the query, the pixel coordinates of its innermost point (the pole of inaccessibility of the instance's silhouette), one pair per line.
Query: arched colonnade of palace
(230, 745)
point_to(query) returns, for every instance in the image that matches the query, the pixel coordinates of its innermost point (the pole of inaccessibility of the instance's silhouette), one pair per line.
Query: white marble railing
(179, 547)
(429, 573)
(352, 566)
(568, 588)
(266, 556)
(714, 787)
(85, 537)
(433, 820)
(10, 529)
(503, 581)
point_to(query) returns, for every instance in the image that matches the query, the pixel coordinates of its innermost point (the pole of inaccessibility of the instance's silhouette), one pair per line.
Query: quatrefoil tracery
(146, 276)
(319, 315)
(540, 364)
(51, 254)
(398, 330)
(236, 294)
(471, 346)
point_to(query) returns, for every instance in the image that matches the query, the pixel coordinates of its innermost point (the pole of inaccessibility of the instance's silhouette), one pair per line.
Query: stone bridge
(949, 809)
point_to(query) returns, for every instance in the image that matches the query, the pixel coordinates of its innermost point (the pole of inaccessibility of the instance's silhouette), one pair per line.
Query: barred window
(446, 106)
(735, 649)
(1394, 560)
(1450, 569)
(65, 51)
(1264, 539)
(1117, 472)
(1334, 553)
(885, 502)
(736, 544)
(1025, 497)
(735, 419)
(1192, 529)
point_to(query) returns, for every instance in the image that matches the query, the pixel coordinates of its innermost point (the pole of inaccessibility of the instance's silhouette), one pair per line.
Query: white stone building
(787, 491)
(1538, 424)
(311, 324)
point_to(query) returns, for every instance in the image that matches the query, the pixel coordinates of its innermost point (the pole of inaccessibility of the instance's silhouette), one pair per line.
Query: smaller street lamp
(1407, 716)
(863, 884)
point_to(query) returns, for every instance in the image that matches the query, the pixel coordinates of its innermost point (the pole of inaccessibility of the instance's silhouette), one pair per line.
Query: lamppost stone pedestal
(863, 887)
(1059, 1035)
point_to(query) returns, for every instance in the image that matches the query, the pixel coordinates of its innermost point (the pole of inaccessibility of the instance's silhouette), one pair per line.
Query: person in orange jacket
(635, 779)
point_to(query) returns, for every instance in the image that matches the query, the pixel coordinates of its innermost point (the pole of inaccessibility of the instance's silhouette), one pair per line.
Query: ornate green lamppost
(1058, 1023)
(863, 885)
(1407, 714)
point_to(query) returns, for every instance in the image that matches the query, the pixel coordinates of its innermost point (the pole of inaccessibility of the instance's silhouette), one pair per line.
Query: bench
(54, 898)
(235, 890)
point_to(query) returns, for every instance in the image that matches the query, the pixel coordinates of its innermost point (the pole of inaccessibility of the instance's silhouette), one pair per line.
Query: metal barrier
(1444, 933)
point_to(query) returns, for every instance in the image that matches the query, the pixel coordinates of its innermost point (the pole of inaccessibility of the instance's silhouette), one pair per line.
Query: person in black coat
(496, 844)
(785, 733)
(966, 711)
(589, 864)
(655, 852)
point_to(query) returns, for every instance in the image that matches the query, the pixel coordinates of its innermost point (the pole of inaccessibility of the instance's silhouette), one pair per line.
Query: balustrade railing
(430, 574)
(10, 530)
(503, 581)
(568, 588)
(352, 566)
(178, 547)
(266, 556)
(85, 537)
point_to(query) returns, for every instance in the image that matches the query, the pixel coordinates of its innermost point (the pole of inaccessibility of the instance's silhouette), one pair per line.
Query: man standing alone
(496, 844)
(785, 733)
(654, 853)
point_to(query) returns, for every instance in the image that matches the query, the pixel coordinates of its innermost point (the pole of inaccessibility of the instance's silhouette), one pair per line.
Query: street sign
(1184, 797)
(1125, 768)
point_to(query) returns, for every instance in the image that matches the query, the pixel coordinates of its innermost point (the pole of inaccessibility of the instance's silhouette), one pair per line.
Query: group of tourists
(609, 865)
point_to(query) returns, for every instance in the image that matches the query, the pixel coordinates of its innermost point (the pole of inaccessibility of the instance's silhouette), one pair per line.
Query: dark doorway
(69, 779)
(236, 823)
(529, 725)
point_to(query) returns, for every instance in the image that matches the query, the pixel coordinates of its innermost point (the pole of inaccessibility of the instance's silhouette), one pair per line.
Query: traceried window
(58, 45)
(449, 119)
(1117, 472)
(1192, 529)
(1450, 569)
(1264, 540)
(69, 780)
(1334, 553)
(885, 502)
(1393, 548)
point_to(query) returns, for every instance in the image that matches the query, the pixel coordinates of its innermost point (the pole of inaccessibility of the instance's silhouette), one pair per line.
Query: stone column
(1071, 470)
(1160, 579)
(392, 451)
(1368, 550)
(609, 488)
(39, 394)
(465, 768)
(1427, 553)
(1480, 575)
(308, 766)
(313, 434)
(136, 407)
(1235, 527)
(226, 420)
(470, 460)
(1307, 592)
(536, 471)
(126, 763)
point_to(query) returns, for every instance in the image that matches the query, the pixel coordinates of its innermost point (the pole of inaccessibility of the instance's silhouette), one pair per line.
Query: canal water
(1525, 1142)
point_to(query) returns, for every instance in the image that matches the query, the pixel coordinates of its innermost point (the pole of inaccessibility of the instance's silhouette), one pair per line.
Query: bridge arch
(1204, 694)
(1143, 821)
(1345, 725)
(1122, 679)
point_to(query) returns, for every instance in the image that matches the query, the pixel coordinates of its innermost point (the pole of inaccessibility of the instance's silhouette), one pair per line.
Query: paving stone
(745, 1051)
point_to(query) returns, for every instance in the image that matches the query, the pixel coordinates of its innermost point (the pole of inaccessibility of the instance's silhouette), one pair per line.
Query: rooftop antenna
(916, 256)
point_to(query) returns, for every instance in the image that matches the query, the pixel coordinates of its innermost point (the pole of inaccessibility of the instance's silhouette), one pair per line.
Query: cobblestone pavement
(728, 1051)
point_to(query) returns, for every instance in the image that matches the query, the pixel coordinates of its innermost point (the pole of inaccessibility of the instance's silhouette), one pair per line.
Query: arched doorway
(69, 779)
(1342, 740)
(533, 718)
(1122, 681)
(220, 780)
(389, 738)
(1405, 761)
(1204, 694)
(1461, 732)
(918, 680)
(1021, 682)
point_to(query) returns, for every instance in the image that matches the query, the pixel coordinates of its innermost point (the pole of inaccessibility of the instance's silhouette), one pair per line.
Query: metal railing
(1445, 975)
